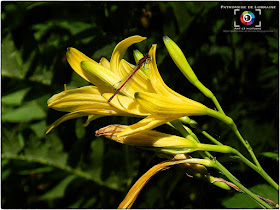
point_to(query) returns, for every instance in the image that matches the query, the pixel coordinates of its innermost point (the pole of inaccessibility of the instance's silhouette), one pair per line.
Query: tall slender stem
(239, 185)
(233, 179)
(259, 168)
(246, 144)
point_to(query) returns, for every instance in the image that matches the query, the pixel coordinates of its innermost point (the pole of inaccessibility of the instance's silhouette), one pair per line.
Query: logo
(247, 18)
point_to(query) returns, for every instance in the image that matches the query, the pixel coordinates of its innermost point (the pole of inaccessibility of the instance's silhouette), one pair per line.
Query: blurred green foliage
(71, 168)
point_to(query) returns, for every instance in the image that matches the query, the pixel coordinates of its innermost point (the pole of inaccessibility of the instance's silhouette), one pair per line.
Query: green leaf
(241, 200)
(80, 129)
(274, 56)
(74, 27)
(4, 162)
(272, 155)
(96, 158)
(28, 112)
(11, 142)
(59, 190)
(39, 128)
(104, 51)
(90, 203)
(15, 98)
(272, 42)
(76, 81)
(77, 203)
(6, 173)
(49, 152)
(182, 14)
(44, 169)
(11, 59)
(218, 25)
(42, 74)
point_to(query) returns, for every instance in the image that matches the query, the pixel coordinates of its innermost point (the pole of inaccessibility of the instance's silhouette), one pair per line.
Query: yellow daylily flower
(88, 101)
(146, 97)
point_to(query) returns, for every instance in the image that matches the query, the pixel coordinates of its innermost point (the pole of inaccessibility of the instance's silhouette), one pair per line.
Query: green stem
(208, 93)
(217, 104)
(245, 160)
(235, 181)
(246, 144)
(256, 167)
(221, 115)
(213, 162)
(207, 155)
(234, 151)
(239, 185)
(248, 163)
(227, 120)
(179, 127)
(207, 135)
(259, 168)
(268, 179)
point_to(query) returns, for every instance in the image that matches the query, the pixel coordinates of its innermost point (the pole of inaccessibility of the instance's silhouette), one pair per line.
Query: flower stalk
(221, 168)
(255, 167)
(181, 62)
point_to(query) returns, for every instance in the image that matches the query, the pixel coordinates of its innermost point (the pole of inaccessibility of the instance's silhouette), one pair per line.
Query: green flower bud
(137, 56)
(181, 62)
(179, 59)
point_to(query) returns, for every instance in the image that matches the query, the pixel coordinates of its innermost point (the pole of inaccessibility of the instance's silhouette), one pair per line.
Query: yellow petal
(120, 50)
(103, 78)
(138, 82)
(74, 58)
(169, 107)
(156, 80)
(86, 112)
(137, 187)
(68, 116)
(147, 123)
(126, 104)
(105, 63)
(87, 97)
(91, 118)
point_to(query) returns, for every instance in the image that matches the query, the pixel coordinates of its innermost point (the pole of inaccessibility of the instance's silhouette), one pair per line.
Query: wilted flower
(160, 142)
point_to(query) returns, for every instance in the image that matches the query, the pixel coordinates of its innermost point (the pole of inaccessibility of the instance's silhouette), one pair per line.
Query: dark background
(70, 167)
